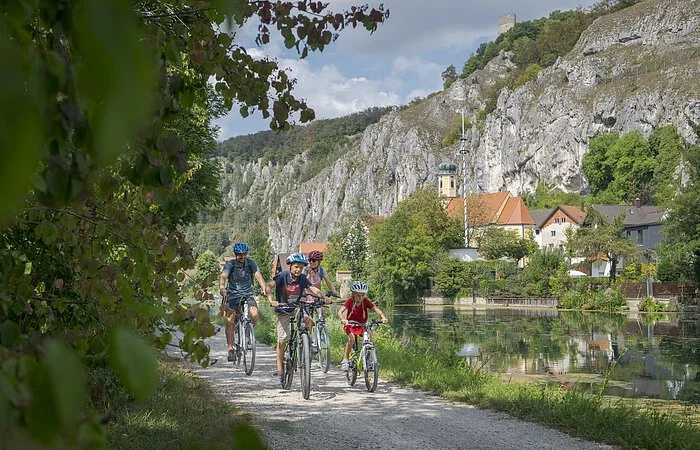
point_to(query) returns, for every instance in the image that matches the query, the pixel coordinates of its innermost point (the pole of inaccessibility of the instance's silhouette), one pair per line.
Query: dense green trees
(541, 41)
(106, 110)
(405, 248)
(623, 168)
(546, 196)
(679, 254)
(499, 243)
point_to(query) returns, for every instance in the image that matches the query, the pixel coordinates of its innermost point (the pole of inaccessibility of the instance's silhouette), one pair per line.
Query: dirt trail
(340, 416)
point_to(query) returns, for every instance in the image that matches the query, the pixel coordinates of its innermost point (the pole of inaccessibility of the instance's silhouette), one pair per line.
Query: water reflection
(656, 356)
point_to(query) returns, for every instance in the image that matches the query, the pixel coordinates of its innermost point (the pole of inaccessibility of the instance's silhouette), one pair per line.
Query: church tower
(447, 184)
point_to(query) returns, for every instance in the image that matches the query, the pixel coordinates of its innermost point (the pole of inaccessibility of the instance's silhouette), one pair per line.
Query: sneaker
(231, 355)
(344, 365)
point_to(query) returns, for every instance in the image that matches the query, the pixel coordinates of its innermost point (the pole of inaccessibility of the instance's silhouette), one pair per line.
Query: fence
(542, 302)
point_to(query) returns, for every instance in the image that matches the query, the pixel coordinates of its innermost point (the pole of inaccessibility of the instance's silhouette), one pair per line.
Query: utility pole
(463, 153)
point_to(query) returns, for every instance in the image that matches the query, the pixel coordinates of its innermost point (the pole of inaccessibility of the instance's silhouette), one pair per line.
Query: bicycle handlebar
(374, 322)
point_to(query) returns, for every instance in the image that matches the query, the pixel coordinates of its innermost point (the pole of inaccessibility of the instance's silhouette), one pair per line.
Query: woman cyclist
(317, 274)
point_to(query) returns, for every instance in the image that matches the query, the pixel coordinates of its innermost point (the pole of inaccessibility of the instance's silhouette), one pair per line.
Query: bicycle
(364, 358)
(297, 350)
(244, 341)
(322, 338)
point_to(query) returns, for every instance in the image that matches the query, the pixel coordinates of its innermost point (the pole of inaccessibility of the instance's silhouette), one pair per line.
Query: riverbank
(575, 411)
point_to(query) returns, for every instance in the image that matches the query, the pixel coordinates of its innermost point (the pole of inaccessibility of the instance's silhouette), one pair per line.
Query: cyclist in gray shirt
(236, 284)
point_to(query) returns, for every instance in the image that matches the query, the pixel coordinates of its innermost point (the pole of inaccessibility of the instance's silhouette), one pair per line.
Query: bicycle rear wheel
(288, 364)
(371, 369)
(324, 347)
(305, 374)
(249, 348)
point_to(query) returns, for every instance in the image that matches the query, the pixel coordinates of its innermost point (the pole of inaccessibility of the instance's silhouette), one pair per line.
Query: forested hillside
(322, 139)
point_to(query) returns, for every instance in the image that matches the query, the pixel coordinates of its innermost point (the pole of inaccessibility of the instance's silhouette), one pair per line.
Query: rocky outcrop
(632, 70)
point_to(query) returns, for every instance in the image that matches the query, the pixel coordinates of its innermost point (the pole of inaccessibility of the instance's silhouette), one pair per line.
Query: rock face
(632, 70)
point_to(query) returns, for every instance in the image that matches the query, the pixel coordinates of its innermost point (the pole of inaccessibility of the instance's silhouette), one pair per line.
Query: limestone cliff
(631, 70)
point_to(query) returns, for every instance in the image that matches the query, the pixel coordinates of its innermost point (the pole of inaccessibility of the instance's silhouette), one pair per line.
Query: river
(632, 355)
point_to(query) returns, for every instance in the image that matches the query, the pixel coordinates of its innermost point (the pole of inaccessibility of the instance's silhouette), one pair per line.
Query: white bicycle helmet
(359, 286)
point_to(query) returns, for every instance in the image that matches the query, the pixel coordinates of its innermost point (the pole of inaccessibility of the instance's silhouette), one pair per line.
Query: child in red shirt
(355, 308)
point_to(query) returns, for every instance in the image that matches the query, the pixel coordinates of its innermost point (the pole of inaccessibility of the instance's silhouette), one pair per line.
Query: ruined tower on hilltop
(505, 23)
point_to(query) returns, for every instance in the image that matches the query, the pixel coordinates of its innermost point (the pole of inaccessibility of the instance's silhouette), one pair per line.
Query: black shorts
(234, 302)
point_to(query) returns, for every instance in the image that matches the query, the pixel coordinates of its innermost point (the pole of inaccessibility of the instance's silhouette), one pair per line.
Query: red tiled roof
(483, 209)
(577, 214)
(489, 209)
(306, 247)
(515, 213)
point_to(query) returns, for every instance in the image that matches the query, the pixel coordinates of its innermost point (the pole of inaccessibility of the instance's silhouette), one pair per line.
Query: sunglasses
(314, 260)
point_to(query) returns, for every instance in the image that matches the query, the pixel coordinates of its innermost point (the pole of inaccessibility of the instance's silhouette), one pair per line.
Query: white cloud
(402, 60)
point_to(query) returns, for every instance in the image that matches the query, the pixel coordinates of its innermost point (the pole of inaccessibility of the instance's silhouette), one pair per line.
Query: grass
(183, 413)
(628, 423)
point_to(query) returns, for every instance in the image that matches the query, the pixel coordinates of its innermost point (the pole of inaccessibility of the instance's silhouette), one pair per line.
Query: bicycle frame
(241, 322)
(359, 356)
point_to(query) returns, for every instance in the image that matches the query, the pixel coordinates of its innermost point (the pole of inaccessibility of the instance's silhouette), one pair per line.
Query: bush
(650, 304)
(610, 299)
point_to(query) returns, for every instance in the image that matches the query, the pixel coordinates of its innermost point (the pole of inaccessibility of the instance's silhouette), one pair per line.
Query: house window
(556, 220)
(629, 233)
(551, 245)
(554, 233)
(441, 188)
(537, 232)
(640, 237)
(452, 183)
(563, 219)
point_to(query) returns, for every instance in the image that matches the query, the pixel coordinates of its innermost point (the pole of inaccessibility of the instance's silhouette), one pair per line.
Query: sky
(400, 61)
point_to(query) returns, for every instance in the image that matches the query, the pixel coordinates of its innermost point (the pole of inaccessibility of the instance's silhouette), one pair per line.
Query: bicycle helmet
(359, 286)
(315, 254)
(297, 258)
(241, 247)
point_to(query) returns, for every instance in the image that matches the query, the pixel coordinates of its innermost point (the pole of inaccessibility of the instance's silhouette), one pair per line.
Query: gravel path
(340, 416)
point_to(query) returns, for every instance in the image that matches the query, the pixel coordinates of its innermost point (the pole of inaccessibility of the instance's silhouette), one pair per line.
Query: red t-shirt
(359, 313)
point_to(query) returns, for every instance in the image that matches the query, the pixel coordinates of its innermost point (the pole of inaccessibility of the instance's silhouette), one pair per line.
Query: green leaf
(9, 333)
(134, 362)
(115, 72)
(42, 418)
(21, 127)
(67, 382)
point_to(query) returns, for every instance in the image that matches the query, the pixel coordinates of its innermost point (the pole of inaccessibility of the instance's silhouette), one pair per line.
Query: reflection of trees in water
(562, 341)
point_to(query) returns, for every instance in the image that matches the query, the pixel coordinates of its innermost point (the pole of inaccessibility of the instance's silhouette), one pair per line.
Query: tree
(595, 164)
(498, 243)
(680, 250)
(449, 75)
(601, 239)
(207, 267)
(107, 107)
(404, 248)
(547, 196)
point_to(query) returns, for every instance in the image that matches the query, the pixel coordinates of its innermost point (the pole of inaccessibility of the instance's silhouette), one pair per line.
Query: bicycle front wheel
(351, 374)
(288, 364)
(324, 348)
(249, 348)
(371, 369)
(305, 358)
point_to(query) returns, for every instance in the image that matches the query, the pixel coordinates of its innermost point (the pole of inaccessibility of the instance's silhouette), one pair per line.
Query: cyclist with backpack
(289, 286)
(235, 285)
(355, 308)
